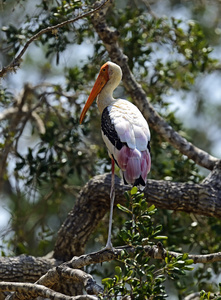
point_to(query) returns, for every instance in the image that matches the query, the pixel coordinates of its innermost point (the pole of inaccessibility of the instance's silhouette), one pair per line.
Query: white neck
(105, 97)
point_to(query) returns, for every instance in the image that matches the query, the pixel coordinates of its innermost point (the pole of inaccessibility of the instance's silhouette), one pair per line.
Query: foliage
(138, 276)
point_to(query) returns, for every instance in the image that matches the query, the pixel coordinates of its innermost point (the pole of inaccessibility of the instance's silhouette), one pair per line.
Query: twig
(193, 296)
(7, 112)
(147, 4)
(16, 61)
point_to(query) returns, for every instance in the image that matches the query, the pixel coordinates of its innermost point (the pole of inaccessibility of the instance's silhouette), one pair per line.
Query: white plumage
(129, 124)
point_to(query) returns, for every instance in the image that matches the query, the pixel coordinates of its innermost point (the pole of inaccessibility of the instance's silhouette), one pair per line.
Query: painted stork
(124, 131)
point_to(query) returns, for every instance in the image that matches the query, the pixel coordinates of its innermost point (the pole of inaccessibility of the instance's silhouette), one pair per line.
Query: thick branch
(93, 203)
(25, 268)
(34, 290)
(16, 61)
(109, 38)
(66, 271)
(53, 277)
(90, 285)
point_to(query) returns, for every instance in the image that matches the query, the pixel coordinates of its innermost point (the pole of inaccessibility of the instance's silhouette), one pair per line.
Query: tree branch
(64, 270)
(70, 272)
(48, 282)
(109, 38)
(147, 4)
(155, 252)
(90, 285)
(17, 60)
(70, 269)
(25, 268)
(193, 296)
(93, 203)
(35, 290)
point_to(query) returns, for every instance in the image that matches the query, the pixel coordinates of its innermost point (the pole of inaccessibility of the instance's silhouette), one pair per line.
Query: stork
(124, 131)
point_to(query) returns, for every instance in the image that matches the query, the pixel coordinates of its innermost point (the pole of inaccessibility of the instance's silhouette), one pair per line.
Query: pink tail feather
(134, 164)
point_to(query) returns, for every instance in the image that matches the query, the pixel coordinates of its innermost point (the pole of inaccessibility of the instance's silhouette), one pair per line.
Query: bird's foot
(108, 246)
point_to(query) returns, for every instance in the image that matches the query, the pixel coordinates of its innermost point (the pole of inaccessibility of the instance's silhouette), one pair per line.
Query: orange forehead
(105, 66)
(104, 71)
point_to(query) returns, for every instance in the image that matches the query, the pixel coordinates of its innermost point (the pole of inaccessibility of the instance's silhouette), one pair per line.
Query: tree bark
(93, 203)
(25, 268)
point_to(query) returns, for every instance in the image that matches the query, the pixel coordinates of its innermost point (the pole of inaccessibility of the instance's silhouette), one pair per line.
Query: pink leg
(112, 196)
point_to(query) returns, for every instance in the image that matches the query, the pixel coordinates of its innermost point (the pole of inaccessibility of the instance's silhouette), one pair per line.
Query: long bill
(99, 84)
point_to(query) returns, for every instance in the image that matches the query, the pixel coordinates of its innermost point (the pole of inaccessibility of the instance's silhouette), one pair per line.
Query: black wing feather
(108, 129)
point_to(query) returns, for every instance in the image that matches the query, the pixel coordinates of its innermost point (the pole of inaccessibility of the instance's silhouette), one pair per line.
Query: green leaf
(118, 270)
(107, 282)
(178, 271)
(124, 209)
(19, 165)
(189, 261)
(151, 208)
(127, 196)
(185, 256)
(133, 190)
(188, 268)
(180, 264)
(161, 237)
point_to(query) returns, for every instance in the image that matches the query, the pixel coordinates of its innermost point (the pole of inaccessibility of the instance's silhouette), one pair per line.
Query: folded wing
(127, 137)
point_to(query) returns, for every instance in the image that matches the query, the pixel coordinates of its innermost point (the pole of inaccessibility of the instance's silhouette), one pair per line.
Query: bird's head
(111, 74)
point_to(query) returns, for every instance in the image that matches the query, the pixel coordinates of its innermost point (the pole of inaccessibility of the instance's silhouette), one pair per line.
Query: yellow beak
(102, 79)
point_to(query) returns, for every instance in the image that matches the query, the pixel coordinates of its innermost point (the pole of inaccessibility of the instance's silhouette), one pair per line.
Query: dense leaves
(138, 276)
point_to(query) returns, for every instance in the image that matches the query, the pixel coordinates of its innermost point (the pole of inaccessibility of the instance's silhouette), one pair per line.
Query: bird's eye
(104, 69)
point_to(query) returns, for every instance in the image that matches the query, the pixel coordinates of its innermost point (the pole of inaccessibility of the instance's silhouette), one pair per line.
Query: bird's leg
(112, 196)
